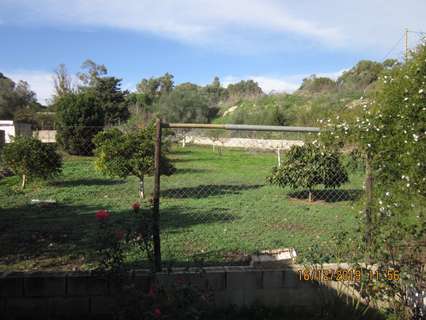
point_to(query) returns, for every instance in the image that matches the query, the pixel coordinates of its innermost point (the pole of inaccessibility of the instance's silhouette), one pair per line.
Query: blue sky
(276, 43)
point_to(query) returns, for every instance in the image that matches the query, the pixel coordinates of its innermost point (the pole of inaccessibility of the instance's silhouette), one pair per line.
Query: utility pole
(406, 44)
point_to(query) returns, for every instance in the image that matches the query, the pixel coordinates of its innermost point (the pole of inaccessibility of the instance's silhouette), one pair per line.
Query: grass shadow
(328, 195)
(178, 217)
(190, 170)
(86, 182)
(207, 190)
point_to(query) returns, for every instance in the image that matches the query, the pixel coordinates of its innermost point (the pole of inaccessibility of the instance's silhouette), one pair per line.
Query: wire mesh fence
(229, 197)
(223, 204)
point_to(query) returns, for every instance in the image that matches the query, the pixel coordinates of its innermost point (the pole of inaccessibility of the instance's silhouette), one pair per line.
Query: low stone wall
(44, 295)
(46, 136)
(265, 144)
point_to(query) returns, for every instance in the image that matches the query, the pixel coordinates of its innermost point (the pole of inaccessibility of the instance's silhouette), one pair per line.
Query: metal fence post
(156, 198)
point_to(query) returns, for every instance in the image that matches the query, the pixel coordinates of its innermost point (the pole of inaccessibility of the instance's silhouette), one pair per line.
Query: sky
(276, 43)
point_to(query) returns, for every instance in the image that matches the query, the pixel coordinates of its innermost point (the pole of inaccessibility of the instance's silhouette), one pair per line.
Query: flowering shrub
(109, 243)
(389, 130)
(177, 301)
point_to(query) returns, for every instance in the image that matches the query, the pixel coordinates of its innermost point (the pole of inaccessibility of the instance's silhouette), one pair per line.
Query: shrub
(30, 158)
(79, 119)
(307, 166)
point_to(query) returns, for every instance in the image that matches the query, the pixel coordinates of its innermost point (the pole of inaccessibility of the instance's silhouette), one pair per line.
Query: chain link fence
(221, 206)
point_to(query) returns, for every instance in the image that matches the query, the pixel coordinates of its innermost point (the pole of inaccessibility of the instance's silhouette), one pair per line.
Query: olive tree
(129, 154)
(30, 158)
(308, 166)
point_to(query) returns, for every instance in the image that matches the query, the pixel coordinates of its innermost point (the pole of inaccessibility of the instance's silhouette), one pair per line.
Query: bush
(30, 158)
(307, 166)
(79, 119)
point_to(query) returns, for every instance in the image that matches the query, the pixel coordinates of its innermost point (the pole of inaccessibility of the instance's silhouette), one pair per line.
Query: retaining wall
(86, 295)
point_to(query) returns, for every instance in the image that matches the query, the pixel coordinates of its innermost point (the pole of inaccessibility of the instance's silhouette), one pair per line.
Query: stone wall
(85, 295)
(46, 136)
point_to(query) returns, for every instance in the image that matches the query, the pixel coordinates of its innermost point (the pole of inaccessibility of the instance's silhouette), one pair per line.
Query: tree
(184, 105)
(129, 154)
(14, 97)
(307, 166)
(154, 88)
(62, 82)
(215, 94)
(79, 119)
(30, 158)
(93, 73)
(315, 84)
(245, 89)
(110, 99)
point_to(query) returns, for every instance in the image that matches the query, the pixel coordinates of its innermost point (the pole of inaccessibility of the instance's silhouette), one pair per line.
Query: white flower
(387, 193)
(405, 99)
(408, 185)
(421, 91)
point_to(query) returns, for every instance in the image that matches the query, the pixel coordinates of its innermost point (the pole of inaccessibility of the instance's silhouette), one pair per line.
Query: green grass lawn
(216, 208)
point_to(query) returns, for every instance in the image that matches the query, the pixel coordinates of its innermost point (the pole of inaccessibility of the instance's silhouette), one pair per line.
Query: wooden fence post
(156, 199)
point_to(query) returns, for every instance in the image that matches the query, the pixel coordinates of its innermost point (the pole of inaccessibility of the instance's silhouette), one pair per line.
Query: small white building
(12, 129)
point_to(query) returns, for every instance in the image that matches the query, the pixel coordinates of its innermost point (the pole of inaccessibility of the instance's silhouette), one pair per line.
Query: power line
(393, 48)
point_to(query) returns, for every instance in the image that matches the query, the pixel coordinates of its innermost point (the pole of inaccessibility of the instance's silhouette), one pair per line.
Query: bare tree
(62, 81)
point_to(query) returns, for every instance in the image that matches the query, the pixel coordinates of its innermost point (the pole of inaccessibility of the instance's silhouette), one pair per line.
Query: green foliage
(184, 105)
(362, 75)
(79, 119)
(390, 133)
(125, 154)
(307, 166)
(315, 84)
(111, 99)
(30, 158)
(244, 89)
(14, 97)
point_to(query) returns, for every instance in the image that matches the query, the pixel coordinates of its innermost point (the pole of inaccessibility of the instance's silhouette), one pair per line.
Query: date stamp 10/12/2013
(350, 275)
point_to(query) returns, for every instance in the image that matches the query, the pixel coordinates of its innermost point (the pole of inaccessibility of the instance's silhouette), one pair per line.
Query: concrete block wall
(87, 295)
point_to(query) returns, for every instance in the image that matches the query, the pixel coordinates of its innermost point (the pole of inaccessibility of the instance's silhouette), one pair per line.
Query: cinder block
(291, 279)
(70, 306)
(102, 305)
(216, 280)
(30, 307)
(118, 283)
(273, 279)
(287, 297)
(243, 279)
(86, 284)
(11, 286)
(39, 285)
(142, 280)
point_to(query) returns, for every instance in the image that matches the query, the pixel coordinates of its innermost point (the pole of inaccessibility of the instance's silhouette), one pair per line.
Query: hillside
(317, 98)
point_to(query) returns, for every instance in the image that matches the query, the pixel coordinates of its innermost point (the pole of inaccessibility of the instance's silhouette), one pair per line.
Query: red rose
(102, 215)
(157, 312)
(152, 291)
(136, 206)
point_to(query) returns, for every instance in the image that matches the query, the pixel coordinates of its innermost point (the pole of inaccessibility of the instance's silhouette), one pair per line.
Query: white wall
(9, 129)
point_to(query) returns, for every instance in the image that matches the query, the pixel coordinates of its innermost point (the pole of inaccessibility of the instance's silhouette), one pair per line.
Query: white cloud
(288, 83)
(40, 82)
(193, 21)
(372, 25)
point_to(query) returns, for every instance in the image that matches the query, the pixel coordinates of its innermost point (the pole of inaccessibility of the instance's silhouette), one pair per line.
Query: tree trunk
(310, 198)
(141, 188)
(368, 202)
(24, 181)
